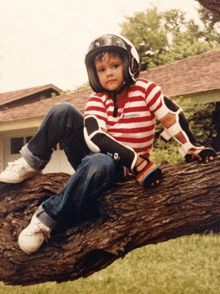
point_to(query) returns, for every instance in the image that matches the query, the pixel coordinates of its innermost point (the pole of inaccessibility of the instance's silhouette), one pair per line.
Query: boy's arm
(98, 140)
(176, 126)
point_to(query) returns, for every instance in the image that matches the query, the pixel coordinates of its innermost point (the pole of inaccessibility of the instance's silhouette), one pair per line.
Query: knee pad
(181, 125)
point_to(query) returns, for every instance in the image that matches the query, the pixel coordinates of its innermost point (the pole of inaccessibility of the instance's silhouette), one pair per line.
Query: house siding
(203, 98)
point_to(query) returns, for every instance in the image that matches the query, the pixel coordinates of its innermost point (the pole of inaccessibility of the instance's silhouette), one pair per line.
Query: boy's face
(109, 71)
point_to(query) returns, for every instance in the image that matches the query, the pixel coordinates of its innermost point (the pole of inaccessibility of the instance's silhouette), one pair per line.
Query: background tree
(145, 31)
(212, 5)
(211, 25)
(165, 37)
(187, 38)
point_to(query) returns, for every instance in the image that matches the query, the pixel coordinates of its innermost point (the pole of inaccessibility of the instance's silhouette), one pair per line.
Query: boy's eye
(116, 65)
(101, 70)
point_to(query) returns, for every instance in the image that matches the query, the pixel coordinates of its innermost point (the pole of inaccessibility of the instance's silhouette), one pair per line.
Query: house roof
(194, 75)
(197, 74)
(40, 108)
(8, 97)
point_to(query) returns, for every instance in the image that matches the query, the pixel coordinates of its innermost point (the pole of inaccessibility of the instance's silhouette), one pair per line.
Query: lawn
(188, 265)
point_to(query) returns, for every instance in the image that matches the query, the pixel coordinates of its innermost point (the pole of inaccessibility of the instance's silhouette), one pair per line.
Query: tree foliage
(211, 25)
(83, 86)
(165, 37)
(145, 31)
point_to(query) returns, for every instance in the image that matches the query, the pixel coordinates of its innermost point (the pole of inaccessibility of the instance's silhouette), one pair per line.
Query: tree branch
(187, 201)
(212, 5)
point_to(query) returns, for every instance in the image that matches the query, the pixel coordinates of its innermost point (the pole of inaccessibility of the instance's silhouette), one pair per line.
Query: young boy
(114, 139)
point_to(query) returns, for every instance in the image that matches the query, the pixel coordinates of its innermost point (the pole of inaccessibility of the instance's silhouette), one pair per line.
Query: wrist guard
(149, 174)
(199, 154)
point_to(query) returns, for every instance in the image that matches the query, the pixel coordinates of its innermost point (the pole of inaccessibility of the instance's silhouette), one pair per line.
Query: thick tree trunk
(187, 201)
(212, 5)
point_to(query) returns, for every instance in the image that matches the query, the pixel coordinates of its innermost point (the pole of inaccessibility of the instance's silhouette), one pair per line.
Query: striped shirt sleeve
(153, 96)
(95, 106)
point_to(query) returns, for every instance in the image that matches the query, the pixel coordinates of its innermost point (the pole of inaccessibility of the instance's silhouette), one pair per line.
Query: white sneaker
(33, 236)
(18, 171)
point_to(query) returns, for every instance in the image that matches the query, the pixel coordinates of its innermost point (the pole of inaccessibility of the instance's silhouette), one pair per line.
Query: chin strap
(114, 98)
(113, 95)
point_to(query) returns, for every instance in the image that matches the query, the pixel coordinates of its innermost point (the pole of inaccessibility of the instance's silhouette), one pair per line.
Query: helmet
(118, 44)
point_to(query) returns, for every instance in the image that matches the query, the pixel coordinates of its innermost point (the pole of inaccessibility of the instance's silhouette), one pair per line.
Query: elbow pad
(181, 125)
(99, 141)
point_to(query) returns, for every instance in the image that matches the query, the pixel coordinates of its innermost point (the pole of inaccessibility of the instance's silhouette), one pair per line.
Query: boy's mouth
(110, 81)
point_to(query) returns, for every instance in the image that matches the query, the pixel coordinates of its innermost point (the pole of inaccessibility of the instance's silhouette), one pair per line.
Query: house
(15, 133)
(19, 124)
(27, 96)
(196, 77)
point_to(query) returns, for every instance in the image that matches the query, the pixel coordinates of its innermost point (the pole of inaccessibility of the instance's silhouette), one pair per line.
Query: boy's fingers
(156, 182)
(209, 158)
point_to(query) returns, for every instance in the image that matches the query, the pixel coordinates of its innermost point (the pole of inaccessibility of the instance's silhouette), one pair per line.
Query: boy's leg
(77, 201)
(62, 123)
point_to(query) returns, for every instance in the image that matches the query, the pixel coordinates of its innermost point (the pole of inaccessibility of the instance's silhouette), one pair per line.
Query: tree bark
(186, 201)
(212, 5)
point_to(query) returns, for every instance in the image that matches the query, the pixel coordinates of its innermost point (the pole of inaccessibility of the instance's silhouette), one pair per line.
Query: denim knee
(104, 167)
(62, 107)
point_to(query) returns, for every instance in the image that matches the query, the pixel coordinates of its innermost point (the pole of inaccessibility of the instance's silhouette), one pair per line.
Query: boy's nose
(109, 71)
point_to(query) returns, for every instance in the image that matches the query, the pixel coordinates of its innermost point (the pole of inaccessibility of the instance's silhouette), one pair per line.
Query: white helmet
(131, 63)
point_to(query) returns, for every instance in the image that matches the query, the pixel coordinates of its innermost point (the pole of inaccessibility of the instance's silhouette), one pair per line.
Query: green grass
(188, 265)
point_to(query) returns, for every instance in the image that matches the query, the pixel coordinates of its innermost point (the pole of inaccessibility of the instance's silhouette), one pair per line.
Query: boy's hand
(203, 154)
(147, 172)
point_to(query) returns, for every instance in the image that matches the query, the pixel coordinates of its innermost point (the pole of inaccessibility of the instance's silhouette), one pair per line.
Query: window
(28, 139)
(16, 145)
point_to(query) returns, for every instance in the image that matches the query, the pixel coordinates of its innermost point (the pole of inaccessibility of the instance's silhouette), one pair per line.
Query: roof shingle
(40, 108)
(197, 74)
(8, 97)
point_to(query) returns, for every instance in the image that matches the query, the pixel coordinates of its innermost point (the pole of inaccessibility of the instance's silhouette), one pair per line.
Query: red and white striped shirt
(134, 125)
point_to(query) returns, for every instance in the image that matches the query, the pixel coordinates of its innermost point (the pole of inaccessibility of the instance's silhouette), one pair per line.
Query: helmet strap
(113, 95)
(114, 98)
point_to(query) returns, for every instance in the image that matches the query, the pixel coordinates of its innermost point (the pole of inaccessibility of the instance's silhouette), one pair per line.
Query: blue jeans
(94, 172)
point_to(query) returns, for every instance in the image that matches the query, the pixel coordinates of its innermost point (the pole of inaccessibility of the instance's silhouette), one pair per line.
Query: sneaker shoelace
(40, 228)
(15, 166)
